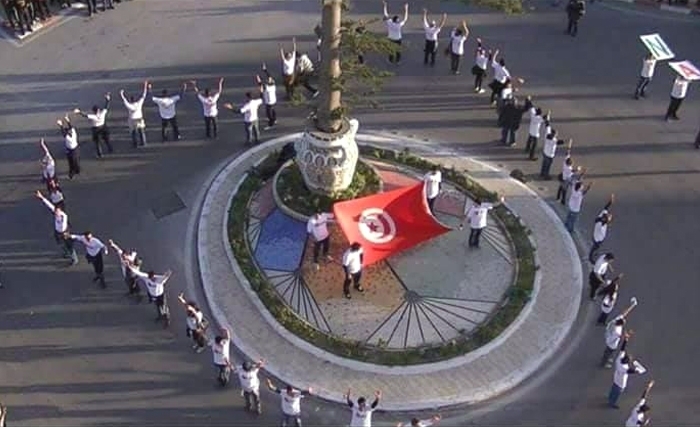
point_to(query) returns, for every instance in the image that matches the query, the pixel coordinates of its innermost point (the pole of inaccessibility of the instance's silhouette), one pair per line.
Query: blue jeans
(291, 420)
(614, 395)
(570, 222)
(252, 132)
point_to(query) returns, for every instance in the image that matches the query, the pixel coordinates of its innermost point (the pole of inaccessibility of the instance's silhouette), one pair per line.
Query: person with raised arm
(98, 124)
(361, 411)
(614, 332)
(416, 422)
(93, 252)
(289, 61)
(71, 144)
(268, 92)
(167, 110)
(481, 63)
(250, 384)
(291, 403)
(137, 125)
(394, 27)
(210, 109)
(48, 165)
(220, 348)
(432, 31)
(61, 228)
(640, 413)
(127, 258)
(155, 286)
(196, 324)
(457, 39)
(625, 365)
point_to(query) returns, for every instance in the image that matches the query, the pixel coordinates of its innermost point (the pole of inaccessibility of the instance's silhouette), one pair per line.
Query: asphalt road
(74, 354)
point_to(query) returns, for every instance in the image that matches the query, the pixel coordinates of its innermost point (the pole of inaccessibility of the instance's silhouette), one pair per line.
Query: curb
(511, 380)
(681, 10)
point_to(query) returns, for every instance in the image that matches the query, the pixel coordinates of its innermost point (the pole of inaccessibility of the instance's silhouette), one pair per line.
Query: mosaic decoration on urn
(327, 161)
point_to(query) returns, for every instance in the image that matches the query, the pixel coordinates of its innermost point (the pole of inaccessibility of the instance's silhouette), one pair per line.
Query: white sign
(686, 69)
(657, 46)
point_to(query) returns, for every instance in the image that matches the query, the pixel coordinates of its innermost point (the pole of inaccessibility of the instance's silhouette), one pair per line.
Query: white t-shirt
(288, 64)
(166, 106)
(431, 33)
(536, 121)
(221, 352)
(622, 371)
(60, 222)
(680, 88)
(209, 107)
(318, 226)
(70, 139)
(457, 43)
(637, 418)
(155, 286)
(291, 405)
(648, 66)
(613, 333)
(550, 147)
(575, 200)
(361, 418)
(135, 108)
(249, 379)
(432, 182)
(352, 261)
(193, 322)
(500, 73)
(269, 94)
(482, 60)
(478, 214)
(48, 167)
(97, 119)
(56, 197)
(600, 230)
(608, 303)
(507, 93)
(93, 246)
(394, 29)
(250, 110)
(601, 266)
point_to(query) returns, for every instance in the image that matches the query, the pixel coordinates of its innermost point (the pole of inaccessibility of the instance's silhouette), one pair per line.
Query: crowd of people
(296, 70)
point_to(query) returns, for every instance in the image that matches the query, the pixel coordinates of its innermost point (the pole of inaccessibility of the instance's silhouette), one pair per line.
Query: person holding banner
(648, 66)
(678, 92)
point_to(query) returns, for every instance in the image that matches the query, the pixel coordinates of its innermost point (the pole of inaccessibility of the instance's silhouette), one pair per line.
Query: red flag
(388, 223)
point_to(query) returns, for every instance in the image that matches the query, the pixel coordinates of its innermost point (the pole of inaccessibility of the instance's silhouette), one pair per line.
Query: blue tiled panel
(281, 242)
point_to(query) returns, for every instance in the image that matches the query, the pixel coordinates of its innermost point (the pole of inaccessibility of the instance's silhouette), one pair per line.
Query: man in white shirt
(394, 28)
(537, 122)
(500, 76)
(289, 60)
(415, 422)
(290, 400)
(210, 109)
(155, 287)
(600, 232)
(220, 348)
(48, 164)
(597, 276)
(352, 266)
(569, 176)
(432, 181)
(250, 384)
(61, 228)
(639, 416)
(304, 72)
(457, 39)
(481, 63)
(127, 258)
(624, 367)
(268, 92)
(549, 151)
(98, 124)
(648, 66)
(93, 252)
(70, 140)
(678, 92)
(250, 117)
(614, 331)
(317, 228)
(167, 111)
(361, 412)
(477, 215)
(137, 126)
(574, 204)
(195, 323)
(432, 31)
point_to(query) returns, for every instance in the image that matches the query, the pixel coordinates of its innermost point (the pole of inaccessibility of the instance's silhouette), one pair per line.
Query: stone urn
(327, 160)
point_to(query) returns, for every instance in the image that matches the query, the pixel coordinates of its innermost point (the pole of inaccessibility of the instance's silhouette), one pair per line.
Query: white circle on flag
(377, 226)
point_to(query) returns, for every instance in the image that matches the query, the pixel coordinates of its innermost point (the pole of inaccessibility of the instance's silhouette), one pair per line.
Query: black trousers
(478, 77)
(531, 146)
(673, 107)
(561, 192)
(92, 6)
(73, 157)
(572, 28)
(395, 58)
(304, 80)
(431, 204)
(271, 115)
(454, 62)
(430, 49)
(41, 8)
(594, 284)
(594, 248)
(97, 264)
(321, 245)
(474, 236)
(641, 86)
(164, 127)
(210, 125)
(697, 140)
(355, 279)
(101, 133)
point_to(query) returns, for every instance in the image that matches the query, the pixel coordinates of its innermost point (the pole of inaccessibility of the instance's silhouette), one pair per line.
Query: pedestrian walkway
(484, 373)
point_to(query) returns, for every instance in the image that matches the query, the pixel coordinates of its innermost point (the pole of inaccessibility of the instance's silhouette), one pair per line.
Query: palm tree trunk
(329, 119)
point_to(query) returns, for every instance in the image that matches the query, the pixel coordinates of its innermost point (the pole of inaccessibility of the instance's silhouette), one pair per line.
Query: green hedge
(510, 7)
(516, 298)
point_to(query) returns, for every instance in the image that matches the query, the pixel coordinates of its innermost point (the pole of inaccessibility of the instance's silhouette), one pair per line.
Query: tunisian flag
(388, 223)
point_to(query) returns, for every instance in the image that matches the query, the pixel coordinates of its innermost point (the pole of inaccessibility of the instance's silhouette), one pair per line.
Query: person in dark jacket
(510, 117)
(574, 10)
